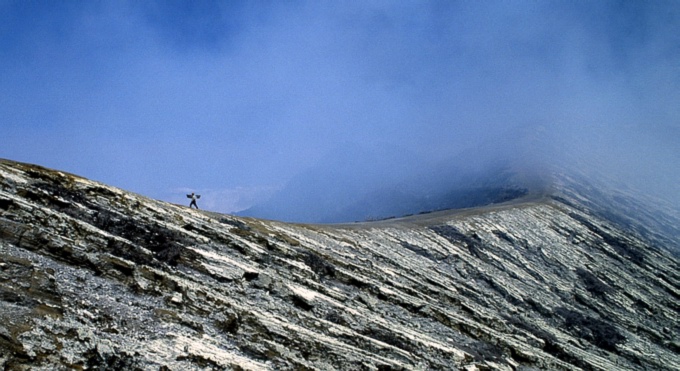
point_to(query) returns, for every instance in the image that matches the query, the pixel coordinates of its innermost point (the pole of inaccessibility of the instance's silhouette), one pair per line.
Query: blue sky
(233, 99)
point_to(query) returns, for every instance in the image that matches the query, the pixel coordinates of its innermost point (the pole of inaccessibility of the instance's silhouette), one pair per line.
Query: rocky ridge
(93, 277)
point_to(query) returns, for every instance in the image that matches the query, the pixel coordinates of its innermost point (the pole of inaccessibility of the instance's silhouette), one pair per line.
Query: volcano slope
(93, 277)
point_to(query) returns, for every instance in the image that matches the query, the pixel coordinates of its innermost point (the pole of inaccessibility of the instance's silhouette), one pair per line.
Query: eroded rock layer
(92, 277)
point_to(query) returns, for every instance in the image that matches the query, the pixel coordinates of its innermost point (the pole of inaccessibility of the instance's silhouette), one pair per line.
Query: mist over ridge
(354, 183)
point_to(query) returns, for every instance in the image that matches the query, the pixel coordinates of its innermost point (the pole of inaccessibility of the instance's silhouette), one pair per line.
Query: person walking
(193, 198)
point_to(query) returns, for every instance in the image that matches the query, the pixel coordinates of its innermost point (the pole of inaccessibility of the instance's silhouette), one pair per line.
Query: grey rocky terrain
(93, 277)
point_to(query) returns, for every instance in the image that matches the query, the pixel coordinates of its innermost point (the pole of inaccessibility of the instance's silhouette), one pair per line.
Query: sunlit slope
(94, 277)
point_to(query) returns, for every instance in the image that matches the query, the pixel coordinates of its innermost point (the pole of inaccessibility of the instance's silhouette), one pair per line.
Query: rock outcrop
(93, 277)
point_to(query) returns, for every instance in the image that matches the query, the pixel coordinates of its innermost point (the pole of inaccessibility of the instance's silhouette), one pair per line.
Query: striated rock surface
(93, 277)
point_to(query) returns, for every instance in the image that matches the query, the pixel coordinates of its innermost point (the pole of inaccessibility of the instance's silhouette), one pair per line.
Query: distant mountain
(354, 183)
(575, 278)
(344, 176)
